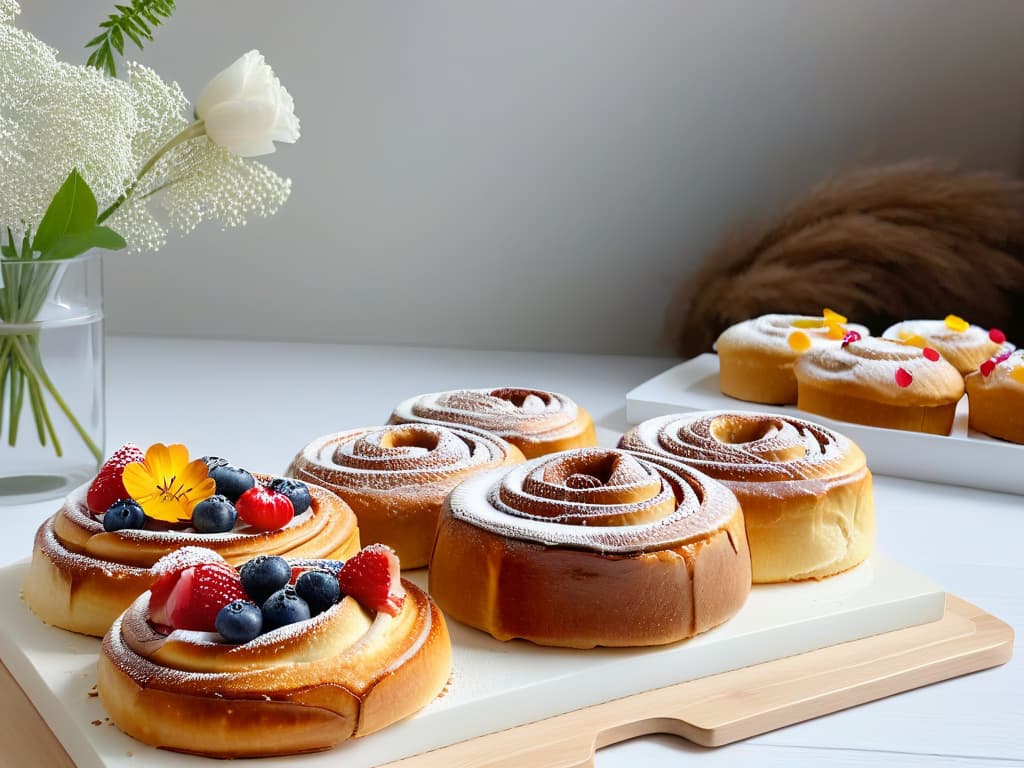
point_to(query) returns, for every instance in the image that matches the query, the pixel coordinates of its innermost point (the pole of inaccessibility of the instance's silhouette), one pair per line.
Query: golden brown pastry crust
(997, 399)
(396, 477)
(805, 490)
(861, 383)
(964, 349)
(645, 554)
(82, 577)
(536, 421)
(301, 688)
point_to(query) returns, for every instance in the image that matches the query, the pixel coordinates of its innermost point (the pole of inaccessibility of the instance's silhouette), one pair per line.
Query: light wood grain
(711, 711)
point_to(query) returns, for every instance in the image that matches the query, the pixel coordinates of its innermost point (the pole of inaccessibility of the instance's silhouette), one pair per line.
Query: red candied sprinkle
(997, 336)
(1003, 356)
(931, 354)
(850, 336)
(987, 367)
(903, 377)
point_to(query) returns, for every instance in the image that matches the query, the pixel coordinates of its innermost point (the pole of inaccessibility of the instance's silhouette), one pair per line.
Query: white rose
(246, 109)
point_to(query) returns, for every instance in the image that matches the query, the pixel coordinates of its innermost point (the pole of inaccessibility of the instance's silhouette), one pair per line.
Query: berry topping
(850, 336)
(957, 324)
(320, 590)
(284, 607)
(122, 515)
(371, 576)
(214, 515)
(931, 354)
(799, 341)
(302, 565)
(265, 509)
(296, 490)
(108, 486)
(997, 336)
(192, 598)
(903, 377)
(264, 575)
(987, 367)
(231, 481)
(214, 461)
(239, 621)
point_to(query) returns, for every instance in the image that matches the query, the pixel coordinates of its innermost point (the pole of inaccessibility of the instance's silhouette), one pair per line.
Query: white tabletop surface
(258, 403)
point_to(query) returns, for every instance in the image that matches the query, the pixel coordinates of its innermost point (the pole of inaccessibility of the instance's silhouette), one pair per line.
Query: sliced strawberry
(191, 599)
(264, 508)
(108, 487)
(372, 577)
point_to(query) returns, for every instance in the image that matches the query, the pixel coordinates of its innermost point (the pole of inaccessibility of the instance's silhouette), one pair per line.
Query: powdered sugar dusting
(964, 349)
(771, 333)
(1001, 374)
(186, 557)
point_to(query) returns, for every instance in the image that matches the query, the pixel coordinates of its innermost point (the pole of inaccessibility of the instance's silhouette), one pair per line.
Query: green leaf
(72, 245)
(136, 21)
(72, 211)
(96, 40)
(117, 39)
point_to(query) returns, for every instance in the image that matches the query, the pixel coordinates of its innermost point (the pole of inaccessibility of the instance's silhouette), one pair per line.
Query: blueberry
(296, 490)
(319, 589)
(239, 621)
(231, 481)
(214, 461)
(264, 575)
(214, 515)
(284, 607)
(334, 566)
(122, 515)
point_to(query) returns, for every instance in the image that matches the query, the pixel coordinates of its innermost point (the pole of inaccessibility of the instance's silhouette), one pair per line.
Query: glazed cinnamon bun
(82, 577)
(964, 345)
(882, 383)
(805, 490)
(396, 477)
(591, 547)
(535, 421)
(996, 395)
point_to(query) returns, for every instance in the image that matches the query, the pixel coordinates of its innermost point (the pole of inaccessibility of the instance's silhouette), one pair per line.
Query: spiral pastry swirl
(965, 348)
(880, 382)
(396, 477)
(805, 489)
(302, 687)
(82, 577)
(534, 420)
(591, 547)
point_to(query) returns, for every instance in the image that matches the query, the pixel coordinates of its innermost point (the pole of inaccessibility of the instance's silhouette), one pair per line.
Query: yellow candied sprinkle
(915, 341)
(903, 335)
(835, 330)
(833, 317)
(799, 341)
(807, 322)
(1017, 374)
(957, 324)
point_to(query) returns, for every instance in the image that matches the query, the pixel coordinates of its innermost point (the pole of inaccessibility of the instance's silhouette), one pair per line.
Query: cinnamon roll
(535, 421)
(882, 383)
(996, 395)
(302, 687)
(82, 577)
(591, 547)
(805, 490)
(756, 357)
(396, 477)
(964, 345)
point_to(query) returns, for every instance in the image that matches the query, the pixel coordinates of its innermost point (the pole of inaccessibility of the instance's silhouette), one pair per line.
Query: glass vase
(51, 376)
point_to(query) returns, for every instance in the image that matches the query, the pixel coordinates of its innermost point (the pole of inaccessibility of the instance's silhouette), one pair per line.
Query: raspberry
(108, 487)
(265, 509)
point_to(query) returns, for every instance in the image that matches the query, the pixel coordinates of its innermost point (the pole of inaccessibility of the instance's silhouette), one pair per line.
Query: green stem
(195, 130)
(44, 424)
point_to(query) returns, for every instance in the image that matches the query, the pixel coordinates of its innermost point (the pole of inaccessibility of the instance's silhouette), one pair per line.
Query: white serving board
(494, 685)
(964, 457)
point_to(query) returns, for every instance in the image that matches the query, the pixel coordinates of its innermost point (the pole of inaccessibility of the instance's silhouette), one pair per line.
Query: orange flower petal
(158, 460)
(138, 481)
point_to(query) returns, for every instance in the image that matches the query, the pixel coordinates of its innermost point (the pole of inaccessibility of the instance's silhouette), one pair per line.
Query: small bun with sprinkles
(756, 357)
(881, 383)
(964, 345)
(996, 395)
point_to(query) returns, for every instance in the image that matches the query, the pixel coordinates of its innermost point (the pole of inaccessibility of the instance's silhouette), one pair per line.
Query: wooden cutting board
(710, 711)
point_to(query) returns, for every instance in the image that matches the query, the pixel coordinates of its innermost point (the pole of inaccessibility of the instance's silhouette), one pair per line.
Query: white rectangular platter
(494, 685)
(964, 457)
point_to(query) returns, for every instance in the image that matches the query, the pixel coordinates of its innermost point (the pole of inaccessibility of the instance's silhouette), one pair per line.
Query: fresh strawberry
(300, 566)
(372, 577)
(191, 599)
(108, 486)
(264, 508)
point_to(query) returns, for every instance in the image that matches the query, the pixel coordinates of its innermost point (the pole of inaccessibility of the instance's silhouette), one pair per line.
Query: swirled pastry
(964, 345)
(591, 547)
(305, 686)
(756, 357)
(82, 576)
(805, 490)
(996, 395)
(396, 477)
(881, 383)
(535, 421)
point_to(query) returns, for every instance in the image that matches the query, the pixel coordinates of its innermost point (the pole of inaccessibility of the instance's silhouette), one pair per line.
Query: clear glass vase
(51, 376)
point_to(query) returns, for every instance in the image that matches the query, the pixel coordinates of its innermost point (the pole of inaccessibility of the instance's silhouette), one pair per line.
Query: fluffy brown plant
(880, 245)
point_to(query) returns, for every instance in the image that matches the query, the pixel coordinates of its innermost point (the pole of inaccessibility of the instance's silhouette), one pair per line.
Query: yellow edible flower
(167, 484)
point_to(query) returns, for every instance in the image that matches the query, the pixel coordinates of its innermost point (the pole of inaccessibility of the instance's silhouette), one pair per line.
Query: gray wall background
(540, 173)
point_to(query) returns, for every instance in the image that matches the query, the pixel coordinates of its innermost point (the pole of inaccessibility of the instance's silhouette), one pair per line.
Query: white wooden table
(258, 403)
